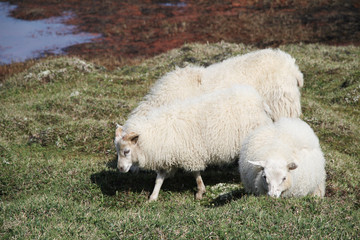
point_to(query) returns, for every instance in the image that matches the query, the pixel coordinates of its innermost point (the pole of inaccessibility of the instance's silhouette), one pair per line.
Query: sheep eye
(126, 152)
(284, 179)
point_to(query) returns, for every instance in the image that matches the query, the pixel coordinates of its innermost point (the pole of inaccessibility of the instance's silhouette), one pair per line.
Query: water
(176, 4)
(21, 40)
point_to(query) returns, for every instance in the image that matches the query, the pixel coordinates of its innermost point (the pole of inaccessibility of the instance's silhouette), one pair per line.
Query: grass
(58, 178)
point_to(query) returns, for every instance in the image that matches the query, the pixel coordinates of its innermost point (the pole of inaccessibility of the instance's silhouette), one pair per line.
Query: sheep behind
(273, 73)
(180, 84)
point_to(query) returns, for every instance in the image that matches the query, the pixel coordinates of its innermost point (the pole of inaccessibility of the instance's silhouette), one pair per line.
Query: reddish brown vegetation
(142, 28)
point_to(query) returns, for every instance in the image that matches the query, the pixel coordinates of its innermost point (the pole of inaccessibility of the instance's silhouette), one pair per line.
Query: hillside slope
(57, 122)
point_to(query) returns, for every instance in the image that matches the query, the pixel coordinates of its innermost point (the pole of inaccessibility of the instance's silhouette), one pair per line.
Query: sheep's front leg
(158, 183)
(319, 191)
(200, 186)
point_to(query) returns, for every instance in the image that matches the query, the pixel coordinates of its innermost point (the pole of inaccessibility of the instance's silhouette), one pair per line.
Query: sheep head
(126, 147)
(275, 175)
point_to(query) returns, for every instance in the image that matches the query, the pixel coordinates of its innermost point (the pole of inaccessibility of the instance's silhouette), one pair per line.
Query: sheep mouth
(124, 169)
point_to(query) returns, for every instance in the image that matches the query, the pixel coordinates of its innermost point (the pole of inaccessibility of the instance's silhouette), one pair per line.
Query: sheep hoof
(152, 199)
(318, 193)
(199, 195)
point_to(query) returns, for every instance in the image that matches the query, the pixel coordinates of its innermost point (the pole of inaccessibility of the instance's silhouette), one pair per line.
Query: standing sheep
(273, 73)
(180, 84)
(191, 134)
(283, 159)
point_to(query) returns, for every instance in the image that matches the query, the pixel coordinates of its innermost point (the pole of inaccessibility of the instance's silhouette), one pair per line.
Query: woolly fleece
(291, 139)
(194, 133)
(273, 73)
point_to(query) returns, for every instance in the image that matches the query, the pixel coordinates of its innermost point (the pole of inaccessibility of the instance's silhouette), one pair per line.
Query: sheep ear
(118, 130)
(133, 137)
(292, 166)
(260, 164)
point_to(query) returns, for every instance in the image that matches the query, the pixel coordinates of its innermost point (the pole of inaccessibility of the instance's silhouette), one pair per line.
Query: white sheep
(273, 73)
(283, 159)
(179, 84)
(191, 134)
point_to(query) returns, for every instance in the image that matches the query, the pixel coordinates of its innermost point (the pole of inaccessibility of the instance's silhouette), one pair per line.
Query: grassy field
(58, 178)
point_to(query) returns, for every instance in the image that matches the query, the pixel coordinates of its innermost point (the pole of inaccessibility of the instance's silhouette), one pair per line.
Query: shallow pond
(144, 28)
(21, 40)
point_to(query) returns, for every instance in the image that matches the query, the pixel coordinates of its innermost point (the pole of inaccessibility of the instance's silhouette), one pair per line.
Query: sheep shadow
(112, 181)
(226, 198)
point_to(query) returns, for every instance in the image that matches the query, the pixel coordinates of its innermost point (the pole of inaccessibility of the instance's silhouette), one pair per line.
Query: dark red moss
(143, 28)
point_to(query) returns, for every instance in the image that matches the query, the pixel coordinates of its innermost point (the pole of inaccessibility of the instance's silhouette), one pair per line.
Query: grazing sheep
(179, 84)
(191, 134)
(273, 73)
(283, 159)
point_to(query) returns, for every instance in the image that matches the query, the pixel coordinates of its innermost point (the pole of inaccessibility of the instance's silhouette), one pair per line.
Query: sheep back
(176, 85)
(273, 73)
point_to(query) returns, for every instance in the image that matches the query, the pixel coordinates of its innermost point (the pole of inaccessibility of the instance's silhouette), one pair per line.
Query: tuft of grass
(58, 176)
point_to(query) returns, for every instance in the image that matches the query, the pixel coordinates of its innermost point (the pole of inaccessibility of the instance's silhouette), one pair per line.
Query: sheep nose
(275, 194)
(120, 167)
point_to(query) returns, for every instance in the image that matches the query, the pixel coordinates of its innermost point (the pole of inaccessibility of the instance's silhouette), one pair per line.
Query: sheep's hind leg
(158, 183)
(200, 186)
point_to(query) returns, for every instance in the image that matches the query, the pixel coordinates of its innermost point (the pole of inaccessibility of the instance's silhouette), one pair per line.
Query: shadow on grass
(226, 198)
(112, 181)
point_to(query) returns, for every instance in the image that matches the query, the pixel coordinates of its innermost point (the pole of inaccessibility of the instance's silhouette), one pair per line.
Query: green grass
(58, 178)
